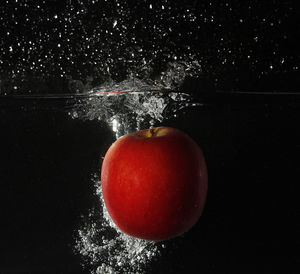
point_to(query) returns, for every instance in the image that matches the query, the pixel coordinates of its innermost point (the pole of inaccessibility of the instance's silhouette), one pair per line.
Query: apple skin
(154, 183)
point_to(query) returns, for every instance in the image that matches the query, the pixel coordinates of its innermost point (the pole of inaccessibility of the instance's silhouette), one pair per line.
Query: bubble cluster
(131, 106)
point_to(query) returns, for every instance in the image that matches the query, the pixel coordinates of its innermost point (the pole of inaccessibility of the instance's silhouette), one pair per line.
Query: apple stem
(152, 132)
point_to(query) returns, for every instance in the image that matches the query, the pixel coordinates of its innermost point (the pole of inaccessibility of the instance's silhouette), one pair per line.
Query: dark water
(250, 222)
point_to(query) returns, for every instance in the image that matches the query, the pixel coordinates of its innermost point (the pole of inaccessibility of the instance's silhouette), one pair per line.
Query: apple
(154, 183)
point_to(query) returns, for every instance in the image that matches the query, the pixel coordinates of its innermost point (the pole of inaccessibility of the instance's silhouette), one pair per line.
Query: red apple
(154, 183)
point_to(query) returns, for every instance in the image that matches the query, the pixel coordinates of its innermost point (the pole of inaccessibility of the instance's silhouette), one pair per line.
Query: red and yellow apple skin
(154, 183)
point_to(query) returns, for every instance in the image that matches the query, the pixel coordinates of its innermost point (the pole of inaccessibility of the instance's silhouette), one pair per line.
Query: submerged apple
(154, 183)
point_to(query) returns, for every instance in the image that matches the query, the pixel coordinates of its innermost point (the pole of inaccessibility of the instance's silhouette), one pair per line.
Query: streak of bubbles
(107, 250)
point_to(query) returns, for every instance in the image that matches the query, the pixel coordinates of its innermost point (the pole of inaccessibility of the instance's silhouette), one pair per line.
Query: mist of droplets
(74, 46)
(105, 249)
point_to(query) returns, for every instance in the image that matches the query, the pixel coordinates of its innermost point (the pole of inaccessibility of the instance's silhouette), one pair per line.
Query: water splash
(131, 105)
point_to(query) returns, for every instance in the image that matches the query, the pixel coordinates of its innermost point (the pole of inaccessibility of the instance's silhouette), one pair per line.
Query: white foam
(105, 249)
